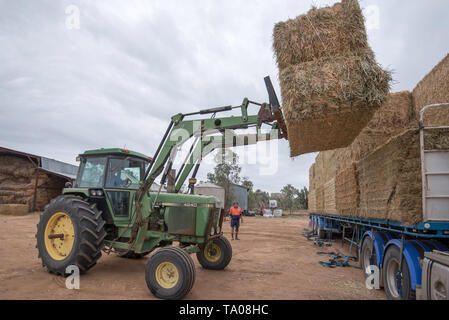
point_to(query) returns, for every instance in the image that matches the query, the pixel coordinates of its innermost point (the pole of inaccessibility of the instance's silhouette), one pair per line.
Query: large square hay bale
(312, 201)
(325, 32)
(14, 209)
(328, 102)
(434, 89)
(330, 197)
(319, 199)
(347, 192)
(394, 117)
(390, 181)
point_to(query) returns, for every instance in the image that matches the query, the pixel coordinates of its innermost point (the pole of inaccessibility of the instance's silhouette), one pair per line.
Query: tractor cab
(111, 169)
(110, 178)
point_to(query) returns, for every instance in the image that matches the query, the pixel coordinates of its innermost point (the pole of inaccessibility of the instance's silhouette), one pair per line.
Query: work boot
(232, 236)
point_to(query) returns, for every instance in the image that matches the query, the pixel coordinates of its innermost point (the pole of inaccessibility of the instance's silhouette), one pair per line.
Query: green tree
(226, 172)
(303, 199)
(288, 197)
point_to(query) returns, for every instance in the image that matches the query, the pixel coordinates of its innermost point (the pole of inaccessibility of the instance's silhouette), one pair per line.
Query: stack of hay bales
(18, 185)
(379, 175)
(331, 83)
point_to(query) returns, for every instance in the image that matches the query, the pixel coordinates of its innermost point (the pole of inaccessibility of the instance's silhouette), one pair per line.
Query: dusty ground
(272, 261)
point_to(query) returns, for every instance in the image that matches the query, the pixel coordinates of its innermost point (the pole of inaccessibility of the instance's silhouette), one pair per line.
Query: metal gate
(435, 174)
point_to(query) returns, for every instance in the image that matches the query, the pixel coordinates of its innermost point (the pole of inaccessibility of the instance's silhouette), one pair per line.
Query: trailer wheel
(216, 255)
(367, 250)
(390, 271)
(170, 274)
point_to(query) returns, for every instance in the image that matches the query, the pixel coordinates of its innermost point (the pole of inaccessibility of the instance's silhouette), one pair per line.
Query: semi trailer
(408, 261)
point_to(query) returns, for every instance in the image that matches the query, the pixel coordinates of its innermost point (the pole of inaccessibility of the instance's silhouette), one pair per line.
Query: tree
(226, 172)
(303, 198)
(288, 198)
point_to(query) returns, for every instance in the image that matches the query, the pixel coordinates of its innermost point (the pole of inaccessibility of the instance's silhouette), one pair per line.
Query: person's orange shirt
(235, 211)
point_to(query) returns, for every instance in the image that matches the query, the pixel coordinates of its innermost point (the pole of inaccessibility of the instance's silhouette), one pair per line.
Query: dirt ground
(271, 261)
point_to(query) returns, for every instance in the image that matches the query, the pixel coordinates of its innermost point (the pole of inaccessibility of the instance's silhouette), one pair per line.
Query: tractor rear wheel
(216, 255)
(170, 273)
(70, 232)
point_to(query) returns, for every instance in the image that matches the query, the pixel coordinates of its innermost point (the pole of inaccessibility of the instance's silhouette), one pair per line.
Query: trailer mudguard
(412, 254)
(379, 241)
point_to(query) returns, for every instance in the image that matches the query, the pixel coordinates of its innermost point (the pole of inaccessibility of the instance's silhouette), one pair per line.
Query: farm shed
(28, 182)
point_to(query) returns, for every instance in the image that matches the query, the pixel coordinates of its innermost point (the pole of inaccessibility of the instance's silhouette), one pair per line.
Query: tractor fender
(379, 241)
(413, 251)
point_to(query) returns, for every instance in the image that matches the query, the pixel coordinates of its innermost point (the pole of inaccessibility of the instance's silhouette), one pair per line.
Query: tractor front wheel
(170, 273)
(70, 233)
(215, 255)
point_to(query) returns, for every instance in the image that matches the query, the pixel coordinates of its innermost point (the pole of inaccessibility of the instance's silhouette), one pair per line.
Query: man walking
(236, 216)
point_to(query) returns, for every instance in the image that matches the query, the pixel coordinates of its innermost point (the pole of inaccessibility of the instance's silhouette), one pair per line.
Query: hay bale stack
(18, 183)
(330, 89)
(347, 192)
(434, 89)
(390, 181)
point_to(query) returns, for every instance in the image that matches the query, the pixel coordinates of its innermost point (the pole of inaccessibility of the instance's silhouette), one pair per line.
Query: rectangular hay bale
(347, 192)
(329, 101)
(434, 89)
(330, 197)
(390, 181)
(324, 32)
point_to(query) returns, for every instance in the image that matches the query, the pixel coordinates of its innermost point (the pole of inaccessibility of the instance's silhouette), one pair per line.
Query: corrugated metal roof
(58, 167)
(51, 166)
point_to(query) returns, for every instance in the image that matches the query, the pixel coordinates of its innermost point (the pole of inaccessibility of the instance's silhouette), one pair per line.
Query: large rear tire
(70, 232)
(216, 255)
(170, 273)
(390, 269)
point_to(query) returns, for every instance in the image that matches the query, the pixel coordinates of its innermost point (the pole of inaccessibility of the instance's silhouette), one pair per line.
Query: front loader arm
(181, 130)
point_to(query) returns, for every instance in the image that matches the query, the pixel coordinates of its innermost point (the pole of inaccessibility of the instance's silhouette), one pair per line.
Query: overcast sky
(117, 79)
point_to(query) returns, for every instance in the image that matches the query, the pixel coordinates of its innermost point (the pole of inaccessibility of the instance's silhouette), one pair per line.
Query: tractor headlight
(212, 231)
(96, 193)
(218, 229)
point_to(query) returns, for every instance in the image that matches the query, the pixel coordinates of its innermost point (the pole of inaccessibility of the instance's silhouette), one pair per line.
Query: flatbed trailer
(408, 261)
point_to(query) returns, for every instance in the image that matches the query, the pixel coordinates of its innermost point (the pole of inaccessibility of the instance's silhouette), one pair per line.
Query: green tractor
(112, 208)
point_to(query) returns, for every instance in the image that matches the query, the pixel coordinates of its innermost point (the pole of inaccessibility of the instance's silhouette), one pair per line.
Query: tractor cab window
(124, 173)
(91, 173)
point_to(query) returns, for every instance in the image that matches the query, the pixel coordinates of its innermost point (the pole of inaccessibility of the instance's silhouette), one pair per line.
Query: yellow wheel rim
(212, 252)
(59, 236)
(167, 275)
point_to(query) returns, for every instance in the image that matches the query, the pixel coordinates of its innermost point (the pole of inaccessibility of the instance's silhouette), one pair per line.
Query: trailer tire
(366, 251)
(390, 268)
(216, 256)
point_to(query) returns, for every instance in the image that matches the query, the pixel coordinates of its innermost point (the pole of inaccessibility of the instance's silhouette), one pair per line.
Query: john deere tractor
(113, 205)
